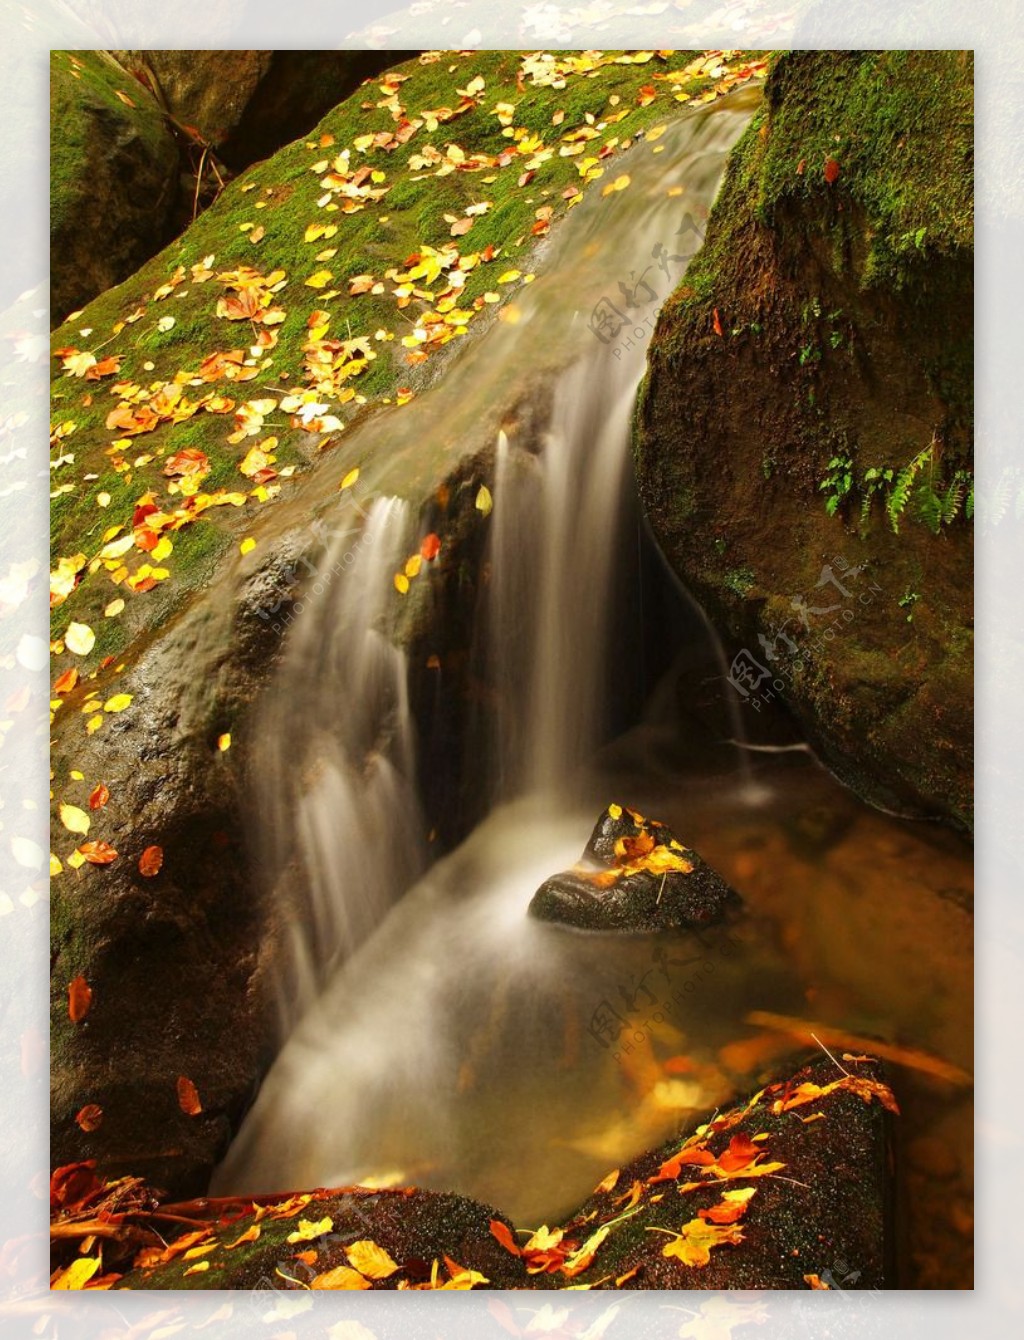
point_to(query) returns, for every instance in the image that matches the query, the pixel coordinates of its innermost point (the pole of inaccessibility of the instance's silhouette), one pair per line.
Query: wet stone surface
(635, 876)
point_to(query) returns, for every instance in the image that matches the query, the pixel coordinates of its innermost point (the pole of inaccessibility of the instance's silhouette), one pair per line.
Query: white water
(451, 1048)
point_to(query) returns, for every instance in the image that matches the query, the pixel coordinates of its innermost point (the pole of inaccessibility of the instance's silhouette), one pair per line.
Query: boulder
(113, 177)
(634, 876)
(247, 104)
(804, 435)
(790, 1190)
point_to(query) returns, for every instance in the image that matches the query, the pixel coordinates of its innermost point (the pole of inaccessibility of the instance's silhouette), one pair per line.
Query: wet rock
(788, 1191)
(634, 876)
(113, 177)
(424, 1234)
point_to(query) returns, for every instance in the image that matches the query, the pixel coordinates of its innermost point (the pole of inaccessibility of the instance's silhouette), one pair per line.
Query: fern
(952, 500)
(896, 503)
(929, 508)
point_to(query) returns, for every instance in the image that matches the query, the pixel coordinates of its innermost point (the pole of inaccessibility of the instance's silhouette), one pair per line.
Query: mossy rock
(113, 177)
(808, 414)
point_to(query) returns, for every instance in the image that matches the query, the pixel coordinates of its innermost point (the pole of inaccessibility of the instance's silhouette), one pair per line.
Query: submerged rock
(634, 875)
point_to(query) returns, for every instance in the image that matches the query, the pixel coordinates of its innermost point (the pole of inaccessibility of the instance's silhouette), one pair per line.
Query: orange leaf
(504, 1235)
(188, 1097)
(831, 170)
(66, 682)
(430, 547)
(79, 999)
(98, 796)
(150, 861)
(188, 461)
(717, 322)
(90, 1117)
(97, 853)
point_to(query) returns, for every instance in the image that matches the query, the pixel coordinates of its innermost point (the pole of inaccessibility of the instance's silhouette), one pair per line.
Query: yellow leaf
(412, 567)
(117, 703)
(78, 1273)
(93, 725)
(115, 607)
(224, 742)
(79, 639)
(370, 1259)
(320, 279)
(76, 860)
(401, 583)
(509, 277)
(164, 548)
(619, 184)
(349, 479)
(198, 1268)
(341, 1277)
(247, 545)
(55, 866)
(484, 501)
(74, 819)
(693, 1244)
(308, 1230)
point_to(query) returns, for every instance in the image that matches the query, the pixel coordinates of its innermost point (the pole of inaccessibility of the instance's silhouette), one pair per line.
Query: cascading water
(457, 1044)
(459, 1012)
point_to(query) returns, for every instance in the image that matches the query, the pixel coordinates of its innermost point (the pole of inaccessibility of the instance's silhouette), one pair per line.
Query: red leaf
(71, 1184)
(98, 796)
(79, 999)
(430, 547)
(504, 1235)
(831, 170)
(98, 853)
(717, 323)
(188, 1097)
(188, 461)
(90, 1117)
(150, 861)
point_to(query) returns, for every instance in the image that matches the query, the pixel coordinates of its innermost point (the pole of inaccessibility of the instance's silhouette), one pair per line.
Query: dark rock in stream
(635, 875)
(791, 1190)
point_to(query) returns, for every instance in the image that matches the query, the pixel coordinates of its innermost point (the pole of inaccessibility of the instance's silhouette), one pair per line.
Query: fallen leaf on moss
(79, 639)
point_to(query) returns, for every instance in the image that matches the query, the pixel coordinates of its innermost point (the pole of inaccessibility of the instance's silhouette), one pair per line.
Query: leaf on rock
(188, 1097)
(341, 1277)
(74, 819)
(98, 797)
(430, 547)
(484, 501)
(97, 853)
(370, 1259)
(696, 1240)
(90, 1117)
(503, 1234)
(309, 1229)
(151, 861)
(79, 999)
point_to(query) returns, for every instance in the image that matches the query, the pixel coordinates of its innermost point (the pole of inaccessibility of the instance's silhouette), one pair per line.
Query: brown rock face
(804, 437)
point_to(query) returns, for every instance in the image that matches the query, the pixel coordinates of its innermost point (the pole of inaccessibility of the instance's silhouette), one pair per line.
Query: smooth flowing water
(447, 1040)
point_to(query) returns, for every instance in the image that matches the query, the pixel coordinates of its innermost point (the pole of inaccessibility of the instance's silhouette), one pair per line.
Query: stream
(436, 1035)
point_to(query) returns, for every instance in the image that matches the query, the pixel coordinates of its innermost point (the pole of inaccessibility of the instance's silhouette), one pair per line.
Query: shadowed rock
(634, 875)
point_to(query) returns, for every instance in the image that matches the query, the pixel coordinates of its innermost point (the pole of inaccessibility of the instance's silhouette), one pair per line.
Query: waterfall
(449, 1045)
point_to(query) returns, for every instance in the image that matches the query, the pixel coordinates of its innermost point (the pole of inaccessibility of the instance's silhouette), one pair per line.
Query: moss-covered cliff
(804, 437)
